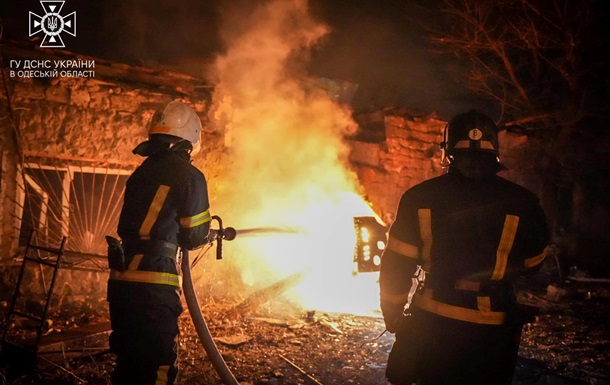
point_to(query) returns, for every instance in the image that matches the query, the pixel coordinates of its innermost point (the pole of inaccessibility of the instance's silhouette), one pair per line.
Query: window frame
(67, 180)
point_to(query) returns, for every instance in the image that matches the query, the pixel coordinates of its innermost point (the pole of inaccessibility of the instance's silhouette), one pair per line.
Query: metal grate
(78, 200)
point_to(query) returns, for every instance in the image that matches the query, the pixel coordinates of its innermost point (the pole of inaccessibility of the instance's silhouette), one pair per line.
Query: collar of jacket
(181, 154)
(154, 147)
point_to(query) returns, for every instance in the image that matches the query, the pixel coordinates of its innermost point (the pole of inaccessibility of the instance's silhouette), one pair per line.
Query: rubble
(279, 343)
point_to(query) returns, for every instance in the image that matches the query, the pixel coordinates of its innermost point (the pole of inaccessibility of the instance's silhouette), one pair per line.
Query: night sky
(374, 44)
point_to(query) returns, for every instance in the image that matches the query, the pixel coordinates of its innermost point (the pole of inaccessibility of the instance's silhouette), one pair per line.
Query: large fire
(288, 162)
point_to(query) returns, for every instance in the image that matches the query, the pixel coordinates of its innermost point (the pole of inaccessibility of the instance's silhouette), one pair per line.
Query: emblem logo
(475, 134)
(52, 24)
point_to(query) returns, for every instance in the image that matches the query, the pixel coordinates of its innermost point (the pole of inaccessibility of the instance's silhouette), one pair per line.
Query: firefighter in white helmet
(165, 207)
(470, 233)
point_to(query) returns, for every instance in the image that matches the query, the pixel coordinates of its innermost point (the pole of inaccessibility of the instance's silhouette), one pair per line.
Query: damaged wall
(404, 152)
(88, 123)
(94, 121)
(398, 148)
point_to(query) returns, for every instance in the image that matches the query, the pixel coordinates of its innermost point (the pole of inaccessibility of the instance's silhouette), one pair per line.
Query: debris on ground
(278, 343)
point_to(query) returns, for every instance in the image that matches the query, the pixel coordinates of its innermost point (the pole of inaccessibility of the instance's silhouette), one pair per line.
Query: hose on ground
(200, 325)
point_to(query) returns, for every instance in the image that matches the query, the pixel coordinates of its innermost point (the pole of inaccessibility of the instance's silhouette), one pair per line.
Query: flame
(288, 162)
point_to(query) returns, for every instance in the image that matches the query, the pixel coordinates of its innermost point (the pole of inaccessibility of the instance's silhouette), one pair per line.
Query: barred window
(82, 202)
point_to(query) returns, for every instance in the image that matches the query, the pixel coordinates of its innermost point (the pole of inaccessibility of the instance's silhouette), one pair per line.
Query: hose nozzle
(228, 233)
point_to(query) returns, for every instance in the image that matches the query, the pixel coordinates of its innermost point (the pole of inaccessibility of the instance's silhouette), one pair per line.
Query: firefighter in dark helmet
(165, 207)
(457, 245)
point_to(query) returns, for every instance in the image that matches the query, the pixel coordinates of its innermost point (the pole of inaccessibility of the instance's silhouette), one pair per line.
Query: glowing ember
(288, 162)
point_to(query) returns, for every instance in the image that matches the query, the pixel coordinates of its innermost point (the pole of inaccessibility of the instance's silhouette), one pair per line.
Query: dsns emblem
(52, 24)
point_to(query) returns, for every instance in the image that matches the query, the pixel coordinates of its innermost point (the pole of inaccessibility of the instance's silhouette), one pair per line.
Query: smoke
(283, 135)
(285, 142)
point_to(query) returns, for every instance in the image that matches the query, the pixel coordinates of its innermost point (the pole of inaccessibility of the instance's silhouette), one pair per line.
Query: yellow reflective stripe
(153, 210)
(147, 277)
(403, 248)
(425, 231)
(162, 375)
(427, 303)
(484, 304)
(135, 262)
(535, 261)
(395, 299)
(506, 244)
(195, 220)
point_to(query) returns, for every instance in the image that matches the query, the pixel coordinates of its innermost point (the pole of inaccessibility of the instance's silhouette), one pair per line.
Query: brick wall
(404, 150)
(408, 154)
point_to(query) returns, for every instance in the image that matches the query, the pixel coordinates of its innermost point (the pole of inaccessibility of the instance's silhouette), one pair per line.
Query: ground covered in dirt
(277, 343)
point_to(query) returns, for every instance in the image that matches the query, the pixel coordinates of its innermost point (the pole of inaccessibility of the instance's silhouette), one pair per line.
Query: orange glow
(288, 163)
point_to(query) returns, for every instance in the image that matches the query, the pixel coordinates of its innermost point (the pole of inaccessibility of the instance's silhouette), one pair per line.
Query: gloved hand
(213, 235)
(116, 254)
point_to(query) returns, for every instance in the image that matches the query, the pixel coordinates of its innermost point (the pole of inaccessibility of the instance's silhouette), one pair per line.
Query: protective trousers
(144, 333)
(434, 350)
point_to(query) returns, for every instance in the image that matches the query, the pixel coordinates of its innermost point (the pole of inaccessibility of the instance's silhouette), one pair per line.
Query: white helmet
(177, 119)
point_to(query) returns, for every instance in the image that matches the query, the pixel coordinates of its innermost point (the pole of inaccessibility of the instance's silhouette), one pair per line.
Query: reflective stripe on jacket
(166, 199)
(472, 238)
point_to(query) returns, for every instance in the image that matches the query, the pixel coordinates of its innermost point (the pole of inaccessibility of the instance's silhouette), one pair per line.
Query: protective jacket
(472, 238)
(166, 199)
(165, 207)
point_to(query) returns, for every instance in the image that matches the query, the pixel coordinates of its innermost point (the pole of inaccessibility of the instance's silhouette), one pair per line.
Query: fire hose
(220, 234)
(195, 310)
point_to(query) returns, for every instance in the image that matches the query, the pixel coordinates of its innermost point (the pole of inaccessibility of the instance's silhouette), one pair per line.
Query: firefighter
(165, 207)
(458, 244)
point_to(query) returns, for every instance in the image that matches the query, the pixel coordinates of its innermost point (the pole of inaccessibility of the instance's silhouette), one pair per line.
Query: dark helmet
(470, 131)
